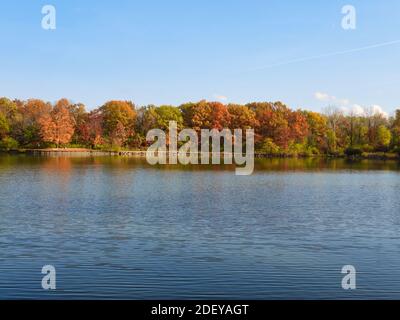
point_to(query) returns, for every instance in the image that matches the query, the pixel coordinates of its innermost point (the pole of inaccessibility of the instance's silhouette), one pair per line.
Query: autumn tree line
(120, 124)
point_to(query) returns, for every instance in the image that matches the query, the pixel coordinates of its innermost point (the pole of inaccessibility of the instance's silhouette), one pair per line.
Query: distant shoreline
(142, 154)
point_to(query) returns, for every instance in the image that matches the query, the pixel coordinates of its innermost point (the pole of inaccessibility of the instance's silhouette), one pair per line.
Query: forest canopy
(120, 124)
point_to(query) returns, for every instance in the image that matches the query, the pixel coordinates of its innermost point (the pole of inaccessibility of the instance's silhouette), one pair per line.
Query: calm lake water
(118, 228)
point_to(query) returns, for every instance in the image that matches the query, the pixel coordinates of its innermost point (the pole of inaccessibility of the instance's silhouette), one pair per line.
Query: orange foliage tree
(119, 119)
(206, 115)
(58, 125)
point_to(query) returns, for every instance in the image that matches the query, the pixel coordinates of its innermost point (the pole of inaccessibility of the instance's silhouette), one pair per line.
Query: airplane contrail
(331, 54)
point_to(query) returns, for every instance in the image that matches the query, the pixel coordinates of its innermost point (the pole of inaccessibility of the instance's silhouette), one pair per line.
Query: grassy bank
(142, 153)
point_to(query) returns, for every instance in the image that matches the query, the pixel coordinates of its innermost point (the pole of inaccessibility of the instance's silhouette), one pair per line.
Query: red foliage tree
(91, 130)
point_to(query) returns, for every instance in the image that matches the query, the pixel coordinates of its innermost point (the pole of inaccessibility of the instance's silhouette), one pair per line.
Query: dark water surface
(118, 228)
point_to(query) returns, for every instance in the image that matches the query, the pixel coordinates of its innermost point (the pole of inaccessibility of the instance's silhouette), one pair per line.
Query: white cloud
(357, 110)
(343, 109)
(376, 109)
(220, 97)
(347, 107)
(322, 96)
(361, 111)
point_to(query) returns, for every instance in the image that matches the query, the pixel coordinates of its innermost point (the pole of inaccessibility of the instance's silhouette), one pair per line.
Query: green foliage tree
(8, 108)
(165, 114)
(396, 130)
(269, 147)
(4, 126)
(384, 137)
(8, 143)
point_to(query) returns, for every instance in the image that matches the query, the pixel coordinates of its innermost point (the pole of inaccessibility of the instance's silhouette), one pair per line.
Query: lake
(118, 228)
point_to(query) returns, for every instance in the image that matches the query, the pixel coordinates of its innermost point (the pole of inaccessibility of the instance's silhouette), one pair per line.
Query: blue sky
(169, 52)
